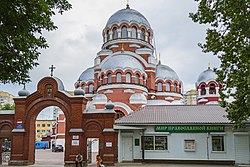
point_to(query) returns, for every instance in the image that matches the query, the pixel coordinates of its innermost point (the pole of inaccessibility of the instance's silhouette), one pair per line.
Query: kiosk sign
(19, 124)
(190, 128)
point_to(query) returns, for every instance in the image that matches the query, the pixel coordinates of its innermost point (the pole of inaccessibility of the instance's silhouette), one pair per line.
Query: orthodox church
(127, 72)
(152, 121)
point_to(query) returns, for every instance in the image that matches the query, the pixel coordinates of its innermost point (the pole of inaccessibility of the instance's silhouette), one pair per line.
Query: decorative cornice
(123, 86)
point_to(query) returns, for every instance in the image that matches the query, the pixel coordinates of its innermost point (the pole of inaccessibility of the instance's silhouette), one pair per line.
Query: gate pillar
(98, 123)
(17, 153)
(0, 151)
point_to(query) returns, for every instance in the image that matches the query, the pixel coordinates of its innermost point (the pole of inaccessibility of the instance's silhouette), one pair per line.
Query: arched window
(137, 78)
(203, 90)
(108, 37)
(180, 88)
(149, 37)
(119, 114)
(109, 78)
(159, 87)
(212, 89)
(144, 80)
(128, 78)
(134, 32)
(168, 86)
(115, 33)
(175, 87)
(124, 32)
(102, 79)
(91, 88)
(118, 77)
(142, 34)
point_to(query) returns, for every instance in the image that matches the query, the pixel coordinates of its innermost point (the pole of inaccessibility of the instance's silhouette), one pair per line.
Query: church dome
(123, 62)
(59, 83)
(78, 92)
(164, 72)
(23, 92)
(207, 75)
(128, 16)
(110, 105)
(138, 98)
(87, 75)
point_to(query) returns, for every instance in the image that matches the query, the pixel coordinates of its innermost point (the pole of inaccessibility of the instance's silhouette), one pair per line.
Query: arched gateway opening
(81, 124)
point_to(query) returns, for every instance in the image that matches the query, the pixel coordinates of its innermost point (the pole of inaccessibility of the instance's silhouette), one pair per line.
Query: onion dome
(128, 16)
(59, 83)
(87, 75)
(23, 92)
(79, 91)
(123, 62)
(100, 99)
(206, 76)
(110, 105)
(164, 72)
(138, 98)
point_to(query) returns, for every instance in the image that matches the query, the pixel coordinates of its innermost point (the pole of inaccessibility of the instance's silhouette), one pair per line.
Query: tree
(228, 38)
(21, 25)
(8, 106)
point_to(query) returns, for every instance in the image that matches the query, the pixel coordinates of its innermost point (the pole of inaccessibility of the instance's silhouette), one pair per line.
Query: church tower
(126, 71)
(208, 87)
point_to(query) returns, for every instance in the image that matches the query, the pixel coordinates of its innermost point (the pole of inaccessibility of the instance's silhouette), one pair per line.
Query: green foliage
(228, 37)
(21, 26)
(8, 106)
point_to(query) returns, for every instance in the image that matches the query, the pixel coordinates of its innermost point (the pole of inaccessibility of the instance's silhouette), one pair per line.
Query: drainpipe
(207, 146)
(142, 144)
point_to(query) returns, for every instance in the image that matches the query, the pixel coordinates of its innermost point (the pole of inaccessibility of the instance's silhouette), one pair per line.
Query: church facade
(127, 72)
(152, 121)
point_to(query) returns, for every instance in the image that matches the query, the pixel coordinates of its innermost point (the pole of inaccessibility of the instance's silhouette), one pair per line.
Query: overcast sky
(74, 45)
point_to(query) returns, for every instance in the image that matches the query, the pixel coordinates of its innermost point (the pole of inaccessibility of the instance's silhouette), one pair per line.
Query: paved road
(46, 158)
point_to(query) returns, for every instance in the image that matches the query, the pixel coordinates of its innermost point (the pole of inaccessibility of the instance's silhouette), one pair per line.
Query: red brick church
(126, 76)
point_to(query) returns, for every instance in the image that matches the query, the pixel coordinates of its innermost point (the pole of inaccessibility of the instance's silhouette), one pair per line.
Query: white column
(217, 90)
(110, 35)
(105, 38)
(129, 33)
(199, 92)
(119, 33)
(146, 37)
(138, 34)
(150, 38)
(207, 90)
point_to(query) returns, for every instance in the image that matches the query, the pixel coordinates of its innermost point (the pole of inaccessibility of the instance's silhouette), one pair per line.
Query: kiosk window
(149, 143)
(161, 143)
(218, 143)
(155, 142)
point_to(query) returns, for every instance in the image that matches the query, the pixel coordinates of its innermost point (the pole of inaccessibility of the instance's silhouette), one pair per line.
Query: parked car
(58, 148)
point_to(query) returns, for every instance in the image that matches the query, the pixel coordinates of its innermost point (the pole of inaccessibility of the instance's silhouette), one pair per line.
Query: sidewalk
(140, 165)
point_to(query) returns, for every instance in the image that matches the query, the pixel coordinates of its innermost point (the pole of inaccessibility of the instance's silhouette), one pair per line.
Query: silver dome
(207, 75)
(59, 83)
(23, 92)
(166, 73)
(129, 16)
(87, 75)
(110, 105)
(79, 91)
(122, 61)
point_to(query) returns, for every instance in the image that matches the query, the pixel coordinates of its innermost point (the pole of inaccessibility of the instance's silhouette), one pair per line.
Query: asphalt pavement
(47, 158)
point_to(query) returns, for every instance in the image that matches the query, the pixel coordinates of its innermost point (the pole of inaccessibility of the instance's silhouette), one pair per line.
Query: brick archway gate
(50, 92)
